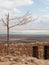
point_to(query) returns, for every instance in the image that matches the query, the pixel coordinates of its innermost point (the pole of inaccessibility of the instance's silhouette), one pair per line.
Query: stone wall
(24, 49)
(21, 49)
(17, 49)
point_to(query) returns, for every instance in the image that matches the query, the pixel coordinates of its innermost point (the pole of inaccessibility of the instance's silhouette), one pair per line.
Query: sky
(39, 9)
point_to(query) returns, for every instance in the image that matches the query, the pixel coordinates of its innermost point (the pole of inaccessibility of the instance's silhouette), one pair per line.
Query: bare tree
(22, 20)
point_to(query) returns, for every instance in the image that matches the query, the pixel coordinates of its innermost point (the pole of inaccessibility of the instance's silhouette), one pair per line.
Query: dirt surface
(12, 60)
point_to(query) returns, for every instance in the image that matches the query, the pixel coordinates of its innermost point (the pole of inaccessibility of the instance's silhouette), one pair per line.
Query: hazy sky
(38, 8)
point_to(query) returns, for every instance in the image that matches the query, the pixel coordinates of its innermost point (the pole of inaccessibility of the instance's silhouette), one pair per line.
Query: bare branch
(27, 14)
(25, 19)
(13, 18)
(3, 22)
(14, 25)
(19, 17)
(22, 22)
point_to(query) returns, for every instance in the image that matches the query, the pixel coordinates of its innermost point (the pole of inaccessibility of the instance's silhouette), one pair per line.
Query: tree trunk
(7, 35)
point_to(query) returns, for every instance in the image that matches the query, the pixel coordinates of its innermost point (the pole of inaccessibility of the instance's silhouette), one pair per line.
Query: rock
(17, 59)
(26, 62)
(11, 59)
(2, 59)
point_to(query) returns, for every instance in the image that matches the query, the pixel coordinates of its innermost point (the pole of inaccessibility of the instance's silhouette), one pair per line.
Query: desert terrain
(23, 38)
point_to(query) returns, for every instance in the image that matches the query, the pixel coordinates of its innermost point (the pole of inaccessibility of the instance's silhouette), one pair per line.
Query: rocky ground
(18, 54)
(15, 60)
